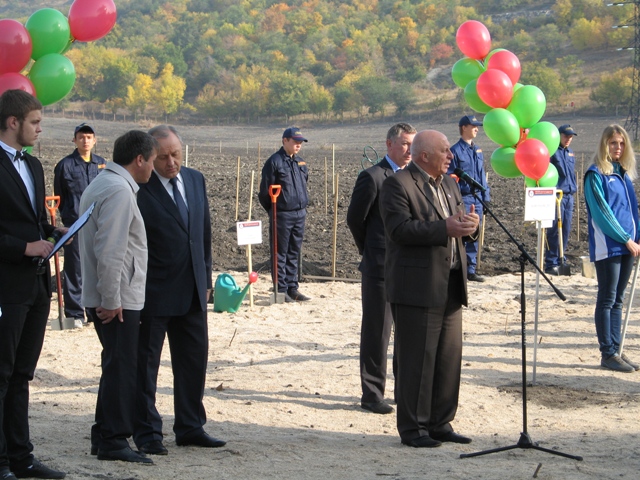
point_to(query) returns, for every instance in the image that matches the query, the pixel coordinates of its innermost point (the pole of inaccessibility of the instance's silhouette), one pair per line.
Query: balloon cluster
(44, 38)
(512, 110)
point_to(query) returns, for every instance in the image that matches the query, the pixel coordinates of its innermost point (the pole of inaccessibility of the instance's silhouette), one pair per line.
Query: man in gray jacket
(113, 246)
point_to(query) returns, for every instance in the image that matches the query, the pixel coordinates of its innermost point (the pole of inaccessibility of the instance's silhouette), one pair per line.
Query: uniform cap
(566, 130)
(469, 120)
(295, 134)
(84, 127)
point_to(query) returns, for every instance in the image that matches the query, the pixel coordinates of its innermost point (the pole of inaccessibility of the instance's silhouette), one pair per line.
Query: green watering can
(227, 296)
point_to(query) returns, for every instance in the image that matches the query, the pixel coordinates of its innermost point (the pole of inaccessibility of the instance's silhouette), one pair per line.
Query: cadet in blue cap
(72, 175)
(287, 169)
(564, 160)
(467, 156)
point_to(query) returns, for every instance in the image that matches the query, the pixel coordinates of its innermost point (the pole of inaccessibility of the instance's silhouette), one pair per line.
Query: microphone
(461, 174)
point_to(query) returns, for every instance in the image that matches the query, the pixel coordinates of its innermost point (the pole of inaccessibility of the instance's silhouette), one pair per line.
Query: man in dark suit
(25, 289)
(176, 215)
(425, 281)
(365, 223)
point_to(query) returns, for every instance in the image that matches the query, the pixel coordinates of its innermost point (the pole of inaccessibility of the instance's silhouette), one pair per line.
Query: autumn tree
(614, 89)
(140, 94)
(169, 91)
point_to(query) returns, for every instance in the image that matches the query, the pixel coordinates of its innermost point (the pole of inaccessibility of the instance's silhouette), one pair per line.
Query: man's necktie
(182, 207)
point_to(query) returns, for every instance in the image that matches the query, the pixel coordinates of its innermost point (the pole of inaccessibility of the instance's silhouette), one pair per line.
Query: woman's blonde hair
(602, 158)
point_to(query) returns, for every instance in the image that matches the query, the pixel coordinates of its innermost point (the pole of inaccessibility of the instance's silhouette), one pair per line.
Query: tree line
(242, 60)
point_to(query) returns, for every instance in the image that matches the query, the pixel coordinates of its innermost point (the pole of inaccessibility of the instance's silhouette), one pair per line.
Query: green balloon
(517, 86)
(49, 31)
(547, 133)
(549, 179)
(53, 77)
(465, 70)
(472, 98)
(528, 105)
(503, 163)
(501, 126)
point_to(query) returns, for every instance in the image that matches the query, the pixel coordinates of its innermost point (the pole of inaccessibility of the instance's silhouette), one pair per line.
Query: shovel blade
(276, 297)
(564, 270)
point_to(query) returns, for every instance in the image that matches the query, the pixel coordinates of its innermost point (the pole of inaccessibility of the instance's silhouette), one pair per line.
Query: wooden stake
(333, 166)
(258, 167)
(237, 189)
(249, 258)
(186, 155)
(326, 188)
(335, 227)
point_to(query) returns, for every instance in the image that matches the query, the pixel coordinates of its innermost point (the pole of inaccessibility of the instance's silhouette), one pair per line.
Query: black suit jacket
(179, 258)
(418, 257)
(19, 224)
(364, 219)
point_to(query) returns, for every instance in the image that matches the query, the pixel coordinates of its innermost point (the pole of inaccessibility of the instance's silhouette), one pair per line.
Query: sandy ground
(283, 389)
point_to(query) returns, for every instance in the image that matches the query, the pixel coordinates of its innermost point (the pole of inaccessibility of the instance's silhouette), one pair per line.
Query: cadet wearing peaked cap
(564, 160)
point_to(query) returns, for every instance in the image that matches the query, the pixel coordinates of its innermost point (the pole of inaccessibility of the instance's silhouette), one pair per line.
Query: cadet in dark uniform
(468, 157)
(565, 162)
(72, 175)
(287, 169)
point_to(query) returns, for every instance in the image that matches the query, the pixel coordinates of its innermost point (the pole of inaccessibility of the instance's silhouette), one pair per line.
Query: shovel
(563, 268)
(276, 297)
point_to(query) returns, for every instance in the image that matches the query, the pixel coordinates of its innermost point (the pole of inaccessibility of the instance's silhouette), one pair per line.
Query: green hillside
(235, 60)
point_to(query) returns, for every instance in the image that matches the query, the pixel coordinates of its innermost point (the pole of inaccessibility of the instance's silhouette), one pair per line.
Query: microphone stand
(525, 440)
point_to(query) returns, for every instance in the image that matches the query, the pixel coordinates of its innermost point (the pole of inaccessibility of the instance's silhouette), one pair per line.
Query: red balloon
(90, 20)
(532, 158)
(473, 39)
(16, 81)
(15, 46)
(507, 62)
(253, 277)
(494, 88)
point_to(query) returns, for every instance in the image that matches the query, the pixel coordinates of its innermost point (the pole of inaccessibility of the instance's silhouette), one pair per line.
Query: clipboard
(73, 229)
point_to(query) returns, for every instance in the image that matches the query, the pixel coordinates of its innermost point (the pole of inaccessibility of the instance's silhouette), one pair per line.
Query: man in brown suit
(425, 279)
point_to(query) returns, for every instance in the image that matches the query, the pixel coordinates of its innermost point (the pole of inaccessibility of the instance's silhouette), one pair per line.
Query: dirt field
(283, 385)
(215, 152)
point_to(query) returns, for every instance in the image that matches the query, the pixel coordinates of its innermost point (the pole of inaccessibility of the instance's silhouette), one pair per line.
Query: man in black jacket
(25, 290)
(365, 223)
(287, 169)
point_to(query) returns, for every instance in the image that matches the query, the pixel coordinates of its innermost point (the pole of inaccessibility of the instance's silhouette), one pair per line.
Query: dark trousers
(115, 406)
(72, 281)
(290, 227)
(613, 276)
(189, 346)
(428, 348)
(471, 248)
(22, 328)
(552, 256)
(375, 333)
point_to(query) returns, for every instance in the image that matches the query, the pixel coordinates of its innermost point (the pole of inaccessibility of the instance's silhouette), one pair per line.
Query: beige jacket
(113, 243)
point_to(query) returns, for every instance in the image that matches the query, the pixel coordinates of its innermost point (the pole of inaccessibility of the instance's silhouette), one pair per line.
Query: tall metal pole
(632, 124)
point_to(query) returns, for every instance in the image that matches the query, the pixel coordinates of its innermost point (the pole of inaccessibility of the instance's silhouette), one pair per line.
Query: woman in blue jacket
(613, 237)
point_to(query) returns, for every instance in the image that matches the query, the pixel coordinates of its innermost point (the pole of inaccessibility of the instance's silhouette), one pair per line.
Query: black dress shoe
(555, 270)
(422, 442)
(474, 277)
(154, 447)
(6, 474)
(297, 296)
(452, 437)
(202, 440)
(37, 470)
(124, 455)
(377, 407)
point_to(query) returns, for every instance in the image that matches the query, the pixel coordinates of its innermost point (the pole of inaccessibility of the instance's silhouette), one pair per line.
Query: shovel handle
(274, 191)
(52, 207)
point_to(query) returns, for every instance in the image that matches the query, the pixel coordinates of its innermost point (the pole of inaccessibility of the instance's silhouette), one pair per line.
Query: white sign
(249, 233)
(540, 205)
